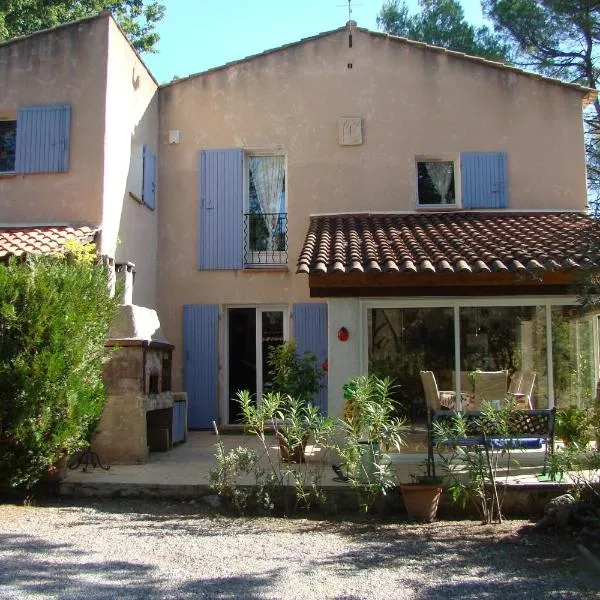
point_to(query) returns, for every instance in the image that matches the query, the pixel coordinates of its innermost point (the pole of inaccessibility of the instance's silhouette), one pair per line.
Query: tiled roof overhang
(447, 248)
(42, 239)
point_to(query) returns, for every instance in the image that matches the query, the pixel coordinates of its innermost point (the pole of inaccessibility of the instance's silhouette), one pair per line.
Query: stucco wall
(343, 357)
(64, 66)
(129, 228)
(412, 102)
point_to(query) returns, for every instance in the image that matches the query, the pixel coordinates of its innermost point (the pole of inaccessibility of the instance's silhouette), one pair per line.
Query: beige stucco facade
(413, 101)
(129, 227)
(63, 66)
(91, 67)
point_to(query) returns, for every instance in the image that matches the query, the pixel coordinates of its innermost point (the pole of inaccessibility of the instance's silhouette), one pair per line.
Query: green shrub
(54, 317)
(573, 425)
(294, 374)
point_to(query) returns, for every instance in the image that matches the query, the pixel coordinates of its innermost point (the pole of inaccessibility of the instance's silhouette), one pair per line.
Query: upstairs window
(266, 218)
(436, 183)
(8, 146)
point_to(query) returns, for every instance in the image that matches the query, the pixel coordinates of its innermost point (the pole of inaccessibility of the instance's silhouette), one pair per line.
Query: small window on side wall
(436, 182)
(8, 146)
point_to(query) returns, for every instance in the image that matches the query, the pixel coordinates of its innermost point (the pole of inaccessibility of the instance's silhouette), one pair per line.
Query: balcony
(265, 236)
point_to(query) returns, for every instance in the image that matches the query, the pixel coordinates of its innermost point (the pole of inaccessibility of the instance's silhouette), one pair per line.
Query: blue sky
(199, 34)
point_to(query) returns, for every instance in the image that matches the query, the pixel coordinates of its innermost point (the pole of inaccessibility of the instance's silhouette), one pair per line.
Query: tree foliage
(54, 317)
(559, 38)
(138, 18)
(442, 23)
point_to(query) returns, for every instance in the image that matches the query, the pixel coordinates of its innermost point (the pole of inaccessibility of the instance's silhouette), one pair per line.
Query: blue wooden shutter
(310, 332)
(221, 209)
(43, 136)
(178, 429)
(149, 183)
(484, 179)
(200, 365)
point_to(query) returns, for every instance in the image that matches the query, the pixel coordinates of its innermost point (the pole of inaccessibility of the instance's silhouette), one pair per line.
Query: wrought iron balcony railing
(265, 236)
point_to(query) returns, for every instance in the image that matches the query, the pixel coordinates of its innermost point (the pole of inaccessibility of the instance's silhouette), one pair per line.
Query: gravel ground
(135, 549)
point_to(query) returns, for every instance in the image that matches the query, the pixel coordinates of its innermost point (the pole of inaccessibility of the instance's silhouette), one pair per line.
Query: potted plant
(371, 429)
(297, 379)
(422, 496)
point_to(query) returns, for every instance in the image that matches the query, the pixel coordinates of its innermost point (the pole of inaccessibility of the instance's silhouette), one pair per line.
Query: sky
(200, 34)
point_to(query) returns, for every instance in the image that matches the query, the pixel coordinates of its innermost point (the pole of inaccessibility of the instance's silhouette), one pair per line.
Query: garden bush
(55, 312)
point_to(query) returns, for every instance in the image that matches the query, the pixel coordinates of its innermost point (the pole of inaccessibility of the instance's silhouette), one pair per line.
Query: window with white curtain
(436, 183)
(266, 210)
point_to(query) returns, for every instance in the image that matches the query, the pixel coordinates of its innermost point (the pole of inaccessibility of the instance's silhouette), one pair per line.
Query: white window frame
(453, 158)
(12, 119)
(251, 255)
(260, 308)
(456, 304)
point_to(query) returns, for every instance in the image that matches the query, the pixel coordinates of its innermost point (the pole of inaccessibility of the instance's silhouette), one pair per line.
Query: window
(8, 146)
(266, 216)
(436, 183)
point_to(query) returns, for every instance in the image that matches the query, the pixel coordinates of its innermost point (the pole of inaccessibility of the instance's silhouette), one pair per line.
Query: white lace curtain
(440, 174)
(268, 173)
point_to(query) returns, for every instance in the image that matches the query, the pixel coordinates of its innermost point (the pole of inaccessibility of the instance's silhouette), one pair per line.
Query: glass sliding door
(504, 338)
(252, 333)
(405, 341)
(573, 357)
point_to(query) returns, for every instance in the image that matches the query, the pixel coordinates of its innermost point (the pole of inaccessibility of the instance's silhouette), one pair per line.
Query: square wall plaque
(350, 131)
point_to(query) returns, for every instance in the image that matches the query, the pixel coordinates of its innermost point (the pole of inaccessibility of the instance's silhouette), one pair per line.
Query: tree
(442, 23)
(559, 38)
(138, 18)
(55, 312)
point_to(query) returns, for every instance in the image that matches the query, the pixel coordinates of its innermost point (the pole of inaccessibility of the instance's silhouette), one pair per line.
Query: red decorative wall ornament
(325, 365)
(343, 334)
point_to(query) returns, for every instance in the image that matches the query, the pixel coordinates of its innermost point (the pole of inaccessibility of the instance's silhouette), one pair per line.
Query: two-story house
(393, 206)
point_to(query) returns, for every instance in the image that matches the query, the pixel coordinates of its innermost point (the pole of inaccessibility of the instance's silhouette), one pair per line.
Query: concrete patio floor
(183, 471)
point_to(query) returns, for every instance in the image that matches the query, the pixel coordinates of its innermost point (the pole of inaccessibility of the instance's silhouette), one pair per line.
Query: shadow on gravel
(449, 561)
(27, 571)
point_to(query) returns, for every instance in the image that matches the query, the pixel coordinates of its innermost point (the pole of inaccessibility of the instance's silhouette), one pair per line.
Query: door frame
(259, 308)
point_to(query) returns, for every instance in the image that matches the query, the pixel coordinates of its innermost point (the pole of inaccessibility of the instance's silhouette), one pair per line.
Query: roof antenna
(350, 22)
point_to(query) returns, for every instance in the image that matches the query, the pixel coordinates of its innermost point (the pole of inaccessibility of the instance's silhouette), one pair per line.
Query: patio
(183, 473)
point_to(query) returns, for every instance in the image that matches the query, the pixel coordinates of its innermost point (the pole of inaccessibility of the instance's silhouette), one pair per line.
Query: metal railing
(265, 239)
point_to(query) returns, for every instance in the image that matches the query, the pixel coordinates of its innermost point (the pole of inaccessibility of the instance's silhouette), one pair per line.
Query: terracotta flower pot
(291, 455)
(421, 500)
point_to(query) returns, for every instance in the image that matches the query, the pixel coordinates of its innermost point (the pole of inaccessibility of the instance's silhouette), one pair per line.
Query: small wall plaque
(350, 131)
(174, 136)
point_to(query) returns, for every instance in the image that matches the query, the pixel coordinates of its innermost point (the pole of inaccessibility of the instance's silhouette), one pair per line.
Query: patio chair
(443, 399)
(433, 394)
(466, 383)
(490, 386)
(521, 388)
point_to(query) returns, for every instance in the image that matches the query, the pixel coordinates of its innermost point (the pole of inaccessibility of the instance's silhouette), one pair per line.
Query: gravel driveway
(135, 549)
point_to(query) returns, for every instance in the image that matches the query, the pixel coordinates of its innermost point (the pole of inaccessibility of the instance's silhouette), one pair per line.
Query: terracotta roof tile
(49, 239)
(456, 242)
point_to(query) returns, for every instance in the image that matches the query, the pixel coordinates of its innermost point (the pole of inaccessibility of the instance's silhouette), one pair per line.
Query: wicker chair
(490, 386)
(521, 388)
(442, 399)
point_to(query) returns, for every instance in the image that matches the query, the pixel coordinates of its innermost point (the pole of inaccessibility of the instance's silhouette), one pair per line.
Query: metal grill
(266, 242)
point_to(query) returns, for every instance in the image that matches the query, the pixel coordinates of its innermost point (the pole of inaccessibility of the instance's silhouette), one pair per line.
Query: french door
(251, 332)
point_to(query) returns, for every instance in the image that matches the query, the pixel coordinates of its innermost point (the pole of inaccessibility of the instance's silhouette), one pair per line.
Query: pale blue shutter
(178, 429)
(221, 209)
(484, 179)
(43, 137)
(200, 363)
(149, 183)
(310, 333)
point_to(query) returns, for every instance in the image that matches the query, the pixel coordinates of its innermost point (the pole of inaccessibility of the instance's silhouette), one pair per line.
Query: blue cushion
(523, 443)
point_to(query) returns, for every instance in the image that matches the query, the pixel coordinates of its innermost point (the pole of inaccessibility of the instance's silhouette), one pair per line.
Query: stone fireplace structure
(141, 413)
